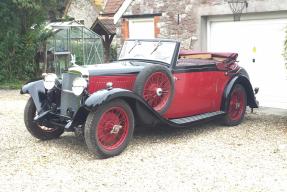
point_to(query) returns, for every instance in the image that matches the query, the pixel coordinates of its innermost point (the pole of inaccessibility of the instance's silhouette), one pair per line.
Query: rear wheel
(109, 129)
(37, 130)
(236, 106)
(156, 85)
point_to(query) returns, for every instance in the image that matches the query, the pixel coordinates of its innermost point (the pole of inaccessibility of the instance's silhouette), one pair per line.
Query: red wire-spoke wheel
(156, 85)
(36, 129)
(109, 129)
(157, 90)
(236, 106)
(113, 128)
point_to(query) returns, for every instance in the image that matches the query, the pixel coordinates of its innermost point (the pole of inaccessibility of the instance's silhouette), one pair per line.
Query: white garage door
(141, 28)
(260, 45)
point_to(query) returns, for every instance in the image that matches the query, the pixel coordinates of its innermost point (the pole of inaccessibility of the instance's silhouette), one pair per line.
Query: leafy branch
(21, 33)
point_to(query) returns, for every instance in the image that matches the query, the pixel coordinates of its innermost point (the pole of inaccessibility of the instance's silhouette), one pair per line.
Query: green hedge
(13, 84)
(21, 32)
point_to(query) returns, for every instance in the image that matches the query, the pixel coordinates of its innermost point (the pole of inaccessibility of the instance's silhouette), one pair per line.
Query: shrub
(20, 34)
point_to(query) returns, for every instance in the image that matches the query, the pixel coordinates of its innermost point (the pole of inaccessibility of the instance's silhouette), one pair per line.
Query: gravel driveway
(208, 157)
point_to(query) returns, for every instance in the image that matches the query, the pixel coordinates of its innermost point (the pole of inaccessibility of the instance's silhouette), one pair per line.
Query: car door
(198, 90)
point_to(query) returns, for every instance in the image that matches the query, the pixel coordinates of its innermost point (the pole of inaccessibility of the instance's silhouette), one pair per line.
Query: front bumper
(52, 119)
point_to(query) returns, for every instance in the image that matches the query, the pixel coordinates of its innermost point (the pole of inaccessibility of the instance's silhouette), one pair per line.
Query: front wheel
(236, 106)
(109, 129)
(37, 130)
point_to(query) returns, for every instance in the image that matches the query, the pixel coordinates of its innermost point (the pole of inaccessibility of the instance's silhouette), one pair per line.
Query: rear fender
(38, 93)
(244, 81)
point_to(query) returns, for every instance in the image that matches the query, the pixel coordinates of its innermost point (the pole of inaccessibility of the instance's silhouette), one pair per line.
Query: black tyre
(109, 129)
(79, 133)
(38, 131)
(236, 106)
(155, 84)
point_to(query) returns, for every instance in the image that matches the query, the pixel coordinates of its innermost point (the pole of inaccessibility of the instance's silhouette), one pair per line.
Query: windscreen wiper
(136, 44)
(156, 47)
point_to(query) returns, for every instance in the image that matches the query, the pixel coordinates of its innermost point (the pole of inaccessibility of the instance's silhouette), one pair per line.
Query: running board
(197, 117)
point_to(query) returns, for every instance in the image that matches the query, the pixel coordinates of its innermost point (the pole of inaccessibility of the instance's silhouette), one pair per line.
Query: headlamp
(50, 80)
(79, 84)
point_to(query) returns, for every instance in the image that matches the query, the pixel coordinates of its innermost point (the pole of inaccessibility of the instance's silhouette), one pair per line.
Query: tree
(20, 33)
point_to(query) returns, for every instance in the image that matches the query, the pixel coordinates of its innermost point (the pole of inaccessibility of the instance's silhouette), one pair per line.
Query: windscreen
(161, 51)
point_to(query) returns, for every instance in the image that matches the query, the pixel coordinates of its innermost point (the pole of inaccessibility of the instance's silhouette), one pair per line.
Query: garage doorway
(260, 44)
(141, 28)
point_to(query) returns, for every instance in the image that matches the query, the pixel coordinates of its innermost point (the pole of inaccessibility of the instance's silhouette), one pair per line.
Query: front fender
(38, 93)
(142, 111)
(103, 96)
(244, 81)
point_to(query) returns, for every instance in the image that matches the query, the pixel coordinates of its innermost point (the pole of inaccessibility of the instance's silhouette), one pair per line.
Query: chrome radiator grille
(69, 102)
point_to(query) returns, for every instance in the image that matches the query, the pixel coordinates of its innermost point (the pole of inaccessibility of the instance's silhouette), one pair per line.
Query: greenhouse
(71, 43)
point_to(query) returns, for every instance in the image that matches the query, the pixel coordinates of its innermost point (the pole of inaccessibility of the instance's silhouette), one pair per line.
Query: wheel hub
(159, 92)
(237, 106)
(116, 129)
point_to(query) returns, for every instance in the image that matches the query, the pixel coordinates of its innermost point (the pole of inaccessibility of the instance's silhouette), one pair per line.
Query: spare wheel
(155, 84)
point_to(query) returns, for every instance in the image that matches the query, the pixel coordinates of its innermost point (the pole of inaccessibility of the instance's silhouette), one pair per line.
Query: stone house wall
(86, 10)
(191, 16)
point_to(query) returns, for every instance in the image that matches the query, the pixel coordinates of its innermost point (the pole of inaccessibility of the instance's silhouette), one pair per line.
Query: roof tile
(112, 6)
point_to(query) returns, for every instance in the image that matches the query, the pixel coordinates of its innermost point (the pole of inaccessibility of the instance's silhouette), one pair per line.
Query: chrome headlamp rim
(50, 80)
(79, 85)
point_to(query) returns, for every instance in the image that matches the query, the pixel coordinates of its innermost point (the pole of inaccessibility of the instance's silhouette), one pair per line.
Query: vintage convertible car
(152, 84)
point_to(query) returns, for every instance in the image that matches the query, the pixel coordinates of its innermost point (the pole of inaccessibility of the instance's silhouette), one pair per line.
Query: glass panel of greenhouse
(72, 39)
